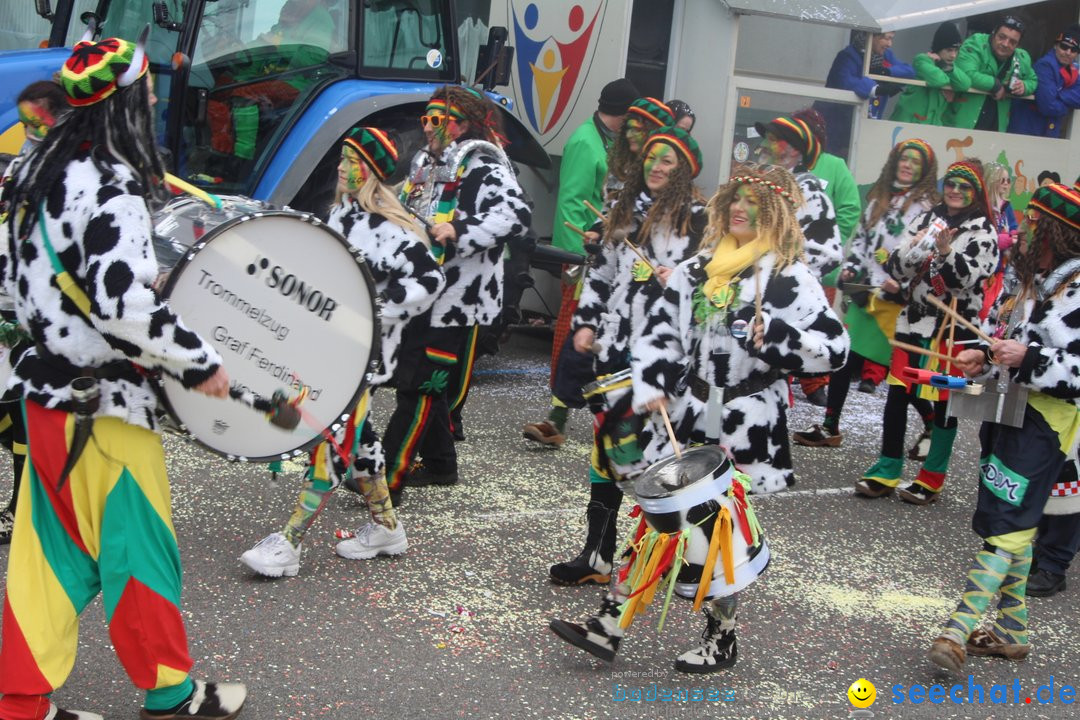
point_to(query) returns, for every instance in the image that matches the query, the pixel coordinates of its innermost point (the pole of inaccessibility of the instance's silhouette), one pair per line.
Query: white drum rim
(376, 340)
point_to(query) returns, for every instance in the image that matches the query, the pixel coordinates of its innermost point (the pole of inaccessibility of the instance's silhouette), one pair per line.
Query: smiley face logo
(862, 693)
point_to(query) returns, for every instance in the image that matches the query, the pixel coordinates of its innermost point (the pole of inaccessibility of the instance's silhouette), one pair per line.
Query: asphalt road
(457, 627)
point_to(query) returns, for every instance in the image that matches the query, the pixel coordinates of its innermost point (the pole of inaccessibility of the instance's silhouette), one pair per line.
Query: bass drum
(288, 304)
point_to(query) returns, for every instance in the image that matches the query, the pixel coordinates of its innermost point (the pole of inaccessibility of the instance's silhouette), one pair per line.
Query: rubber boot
(593, 564)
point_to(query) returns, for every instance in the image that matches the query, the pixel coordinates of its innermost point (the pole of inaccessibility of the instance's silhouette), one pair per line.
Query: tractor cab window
(407, 38)
(254, 65)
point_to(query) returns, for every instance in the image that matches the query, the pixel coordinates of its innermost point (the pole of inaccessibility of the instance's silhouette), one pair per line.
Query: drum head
(673, 474)
(289, 305)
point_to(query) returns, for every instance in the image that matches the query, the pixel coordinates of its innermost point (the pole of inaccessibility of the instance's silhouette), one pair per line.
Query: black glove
(888, 89)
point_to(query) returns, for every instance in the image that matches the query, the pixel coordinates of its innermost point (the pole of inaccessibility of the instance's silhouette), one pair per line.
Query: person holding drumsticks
(463, 186)
(407, 280)
(716, 349)
(656, 223)
(1038, 345)
(79, 262)
(948, 254)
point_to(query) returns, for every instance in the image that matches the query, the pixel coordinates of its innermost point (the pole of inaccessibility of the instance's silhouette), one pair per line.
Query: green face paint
(909, 168)
(352, 172)
(749, 202)
(772, 148)
(36, 119)
(658, 164)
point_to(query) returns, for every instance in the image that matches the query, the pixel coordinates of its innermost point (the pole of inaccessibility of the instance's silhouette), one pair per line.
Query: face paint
(773, 149)
(909, 168)
(635, 133)
(352, 171)
(36, 119)
(959, 193)
(1028, 227)
(743, 213)
(660, 161)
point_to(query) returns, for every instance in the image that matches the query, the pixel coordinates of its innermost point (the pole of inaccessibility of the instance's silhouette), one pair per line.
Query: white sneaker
(374, 539)
(273, 556)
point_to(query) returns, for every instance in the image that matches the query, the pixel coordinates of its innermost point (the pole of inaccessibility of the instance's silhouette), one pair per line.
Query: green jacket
(841, 188)
(983, 69)
(927, 105)
(581, 178)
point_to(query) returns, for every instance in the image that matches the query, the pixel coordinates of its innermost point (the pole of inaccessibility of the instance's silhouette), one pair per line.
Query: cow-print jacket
(491, 209)
(817, 218)
(963, 271)
(99, 226)
(617, 274)
(1051, 330)
(871, 245)
(686, 341)
(407, 277)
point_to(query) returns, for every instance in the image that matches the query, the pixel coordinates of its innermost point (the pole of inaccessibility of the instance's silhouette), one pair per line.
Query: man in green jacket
(996, 65)
(938, 69)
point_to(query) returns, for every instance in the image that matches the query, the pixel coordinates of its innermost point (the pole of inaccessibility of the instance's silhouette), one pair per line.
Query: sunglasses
(1012, 22)
(959, 185)
(436, 120)
(1066, 47)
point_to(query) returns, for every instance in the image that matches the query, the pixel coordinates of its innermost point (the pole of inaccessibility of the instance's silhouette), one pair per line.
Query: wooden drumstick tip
(671, 432)
(571, 226)
(595, 212)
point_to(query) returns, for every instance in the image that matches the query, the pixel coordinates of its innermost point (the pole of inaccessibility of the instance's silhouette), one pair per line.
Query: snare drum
(690, 494)
(616, 426)
(287, 303)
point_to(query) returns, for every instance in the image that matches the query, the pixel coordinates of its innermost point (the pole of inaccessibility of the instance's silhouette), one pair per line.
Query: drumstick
(575, 228)
(952, 331)
(281, 412)
(920, 351)
(960, 319)
(596, 212)
(637, 252)
(671, 432)
(212, 200)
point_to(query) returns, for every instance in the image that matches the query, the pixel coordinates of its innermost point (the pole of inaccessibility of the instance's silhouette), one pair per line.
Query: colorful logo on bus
(554, 42)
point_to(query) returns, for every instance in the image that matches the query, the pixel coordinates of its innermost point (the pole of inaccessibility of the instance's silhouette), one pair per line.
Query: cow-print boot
(600, 635)
(719, 650)
(593, 564)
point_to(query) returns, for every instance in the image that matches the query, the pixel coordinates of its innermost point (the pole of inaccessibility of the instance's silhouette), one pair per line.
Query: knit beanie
(797, 133)
(683, 143)
(1059, 201)
(945, 37)
(96, 70)
(654, 112)
(376, 148)
(616, 97)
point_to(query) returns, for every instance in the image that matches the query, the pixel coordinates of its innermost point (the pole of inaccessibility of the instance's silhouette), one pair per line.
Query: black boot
(593, 565)
(719, 650)
(599, 636)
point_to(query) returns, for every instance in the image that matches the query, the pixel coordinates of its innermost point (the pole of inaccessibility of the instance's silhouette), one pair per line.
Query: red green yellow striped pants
(108, 530)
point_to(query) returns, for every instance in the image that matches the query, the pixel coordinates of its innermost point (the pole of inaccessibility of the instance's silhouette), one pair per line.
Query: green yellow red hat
(1059, 201)
(796, 132)
(652, 111)
(681, 141)
(97, 70)
(376, 148)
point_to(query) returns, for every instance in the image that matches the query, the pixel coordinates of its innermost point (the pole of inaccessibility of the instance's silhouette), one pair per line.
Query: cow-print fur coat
(407, 277)
(972, 258)
(99, 225)
(817, 218)
(616, 275)
(1051, 331)
(871, 245)
(491, 209)
(683, 338)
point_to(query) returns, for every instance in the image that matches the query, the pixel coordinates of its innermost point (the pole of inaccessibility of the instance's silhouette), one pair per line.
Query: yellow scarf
(728, 261)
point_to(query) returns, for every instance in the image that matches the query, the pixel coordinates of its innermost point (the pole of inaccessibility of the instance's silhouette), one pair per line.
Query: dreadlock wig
(924, 187)
(473, 107)
(778, 196)
(1057, 232)
(113, 125)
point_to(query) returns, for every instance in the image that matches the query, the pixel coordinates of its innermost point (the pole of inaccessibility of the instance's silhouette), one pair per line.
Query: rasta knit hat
(616, 97)
(376, 148)
(96, 70)
(652, 111)
(1060, 202)
(683, 143)
(945, 37)
(797, 133)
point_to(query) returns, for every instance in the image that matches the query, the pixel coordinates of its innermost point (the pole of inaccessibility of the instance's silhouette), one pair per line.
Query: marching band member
(1039, 347)
(463, 185)
(661, 213)
(708, 334)
(948, 253)
(407, 280)
(905, 189)
(94, 507)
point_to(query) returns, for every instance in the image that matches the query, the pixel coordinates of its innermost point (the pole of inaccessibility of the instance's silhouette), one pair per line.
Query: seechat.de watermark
(973, 693)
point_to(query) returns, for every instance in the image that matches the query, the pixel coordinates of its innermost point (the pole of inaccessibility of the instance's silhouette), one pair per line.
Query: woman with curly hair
(645, 115)
(732, 323)
(662, 216)
(905, 189)
(1039, 348)
(947, 253)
